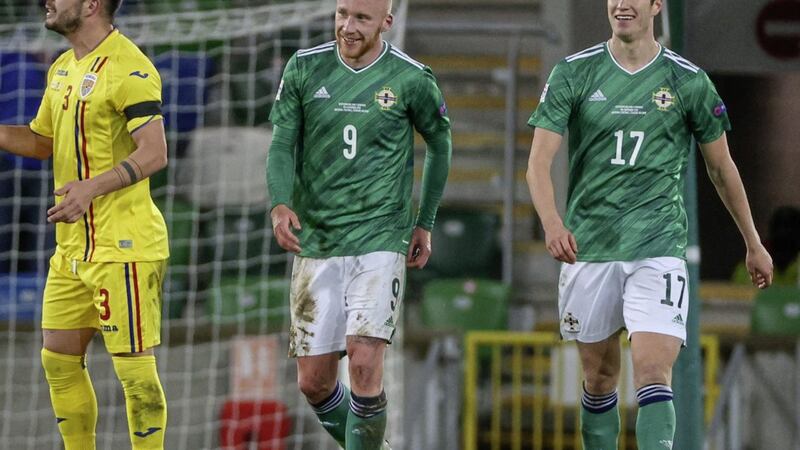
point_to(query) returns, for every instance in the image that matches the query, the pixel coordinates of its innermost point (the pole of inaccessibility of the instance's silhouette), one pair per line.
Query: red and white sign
(255, 367)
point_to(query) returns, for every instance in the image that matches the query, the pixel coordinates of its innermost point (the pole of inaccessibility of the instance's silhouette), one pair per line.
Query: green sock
(599, 421)
(333, 411)
(366, 422)
(655, 424)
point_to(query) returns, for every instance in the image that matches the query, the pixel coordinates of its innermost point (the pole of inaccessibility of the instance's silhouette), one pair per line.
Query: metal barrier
(512, 378)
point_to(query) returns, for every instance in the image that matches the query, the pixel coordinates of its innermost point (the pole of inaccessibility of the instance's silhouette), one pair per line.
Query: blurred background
(478, 363)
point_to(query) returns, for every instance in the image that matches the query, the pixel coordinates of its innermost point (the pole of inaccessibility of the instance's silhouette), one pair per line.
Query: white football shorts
(341, 296)
(596, 299)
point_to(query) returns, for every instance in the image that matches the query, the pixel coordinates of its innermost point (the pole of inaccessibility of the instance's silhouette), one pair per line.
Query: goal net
(223, 357)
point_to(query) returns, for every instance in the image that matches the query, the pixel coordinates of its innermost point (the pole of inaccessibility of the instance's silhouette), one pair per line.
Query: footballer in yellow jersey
(100, 119)
(90, 108)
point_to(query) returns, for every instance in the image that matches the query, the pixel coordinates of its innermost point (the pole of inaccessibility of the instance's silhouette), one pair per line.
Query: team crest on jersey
(663, 99)
(386, 98)
(87, 85)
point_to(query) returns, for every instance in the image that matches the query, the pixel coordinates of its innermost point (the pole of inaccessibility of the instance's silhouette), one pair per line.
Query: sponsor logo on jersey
(55, 85)
(678, 319)
(110, 328)
(139, 74)
(544, 93)
(570, 323)
(598, 96)
(663, 99)
(87, 85)
(126, 243)
(389, 322)
(386, 98)
(322, 93)
(62, 73)
(720, 109)
(280, 89)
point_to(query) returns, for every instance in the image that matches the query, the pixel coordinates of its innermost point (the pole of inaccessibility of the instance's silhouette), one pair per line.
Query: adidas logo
(678, 319)
(597, 96)
(322, 93)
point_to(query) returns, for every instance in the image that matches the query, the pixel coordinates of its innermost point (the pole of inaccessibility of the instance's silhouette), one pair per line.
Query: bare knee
(601, 365)
(652, 372)
(366, 365)
(316, 376)
(68, 342)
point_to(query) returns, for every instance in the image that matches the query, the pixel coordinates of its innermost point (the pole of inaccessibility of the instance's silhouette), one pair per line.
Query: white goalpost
(223, 358)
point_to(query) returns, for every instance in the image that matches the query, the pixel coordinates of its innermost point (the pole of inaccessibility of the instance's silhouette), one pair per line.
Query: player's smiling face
(359, 24)
(632, 19)
(63, 16)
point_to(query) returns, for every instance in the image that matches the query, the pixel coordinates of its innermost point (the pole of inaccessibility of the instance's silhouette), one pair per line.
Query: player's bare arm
(149, 157)
(725, 176)
(22, 141)
(283, 221)
(559, 240)
(419, 249)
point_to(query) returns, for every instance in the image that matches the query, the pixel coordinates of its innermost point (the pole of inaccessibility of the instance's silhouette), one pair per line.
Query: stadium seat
(185, 87)
(465, 244)
(776, 312)
(224, 166)
(235, 238)
(21, 297)
(465, 304)
(262, 302)
(264, 423)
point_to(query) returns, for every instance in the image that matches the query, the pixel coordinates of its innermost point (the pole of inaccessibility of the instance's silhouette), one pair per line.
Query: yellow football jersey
(90, 109)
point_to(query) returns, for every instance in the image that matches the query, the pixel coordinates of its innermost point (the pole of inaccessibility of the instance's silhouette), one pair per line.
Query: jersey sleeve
(707, 114)
(555, 103)
(42, 124)
(428, 108)
(287, 111)
(137, 94)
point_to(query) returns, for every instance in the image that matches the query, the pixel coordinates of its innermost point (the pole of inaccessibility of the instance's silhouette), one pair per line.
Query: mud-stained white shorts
(595, 299)
(343, 296)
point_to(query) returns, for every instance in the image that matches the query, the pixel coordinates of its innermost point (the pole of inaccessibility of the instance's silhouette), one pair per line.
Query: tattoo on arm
(131, 173)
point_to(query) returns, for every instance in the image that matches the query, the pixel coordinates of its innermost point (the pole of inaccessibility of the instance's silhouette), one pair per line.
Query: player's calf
(73, 399)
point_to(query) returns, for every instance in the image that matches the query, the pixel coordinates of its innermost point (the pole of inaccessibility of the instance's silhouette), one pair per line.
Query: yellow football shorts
(122, 300)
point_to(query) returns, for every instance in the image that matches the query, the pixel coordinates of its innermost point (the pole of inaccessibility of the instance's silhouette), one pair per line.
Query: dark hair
(111, 7)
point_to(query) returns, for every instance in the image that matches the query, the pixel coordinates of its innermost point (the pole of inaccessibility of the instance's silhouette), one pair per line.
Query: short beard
(68, 24)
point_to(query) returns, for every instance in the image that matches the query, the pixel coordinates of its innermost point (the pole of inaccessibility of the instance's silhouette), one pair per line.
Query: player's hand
(419, 249)
(759, 265)
(283, 221)
(78, 196)
(561, 243)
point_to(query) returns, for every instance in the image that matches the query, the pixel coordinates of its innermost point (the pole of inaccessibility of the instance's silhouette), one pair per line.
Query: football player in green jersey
(340, 174)
(632, 108)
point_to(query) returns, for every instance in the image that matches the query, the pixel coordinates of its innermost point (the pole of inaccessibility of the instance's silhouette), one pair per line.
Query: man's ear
(387, 23)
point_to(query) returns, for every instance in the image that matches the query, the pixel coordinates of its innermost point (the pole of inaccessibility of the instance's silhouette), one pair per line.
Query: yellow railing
(535, 378)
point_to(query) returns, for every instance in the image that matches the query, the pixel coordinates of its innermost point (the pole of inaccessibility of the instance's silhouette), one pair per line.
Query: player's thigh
(590, 301)
(128, 299)
(67, 301)
(374, 294)
(657, 297)
(316, 304)
(600, 362)
(653, 356)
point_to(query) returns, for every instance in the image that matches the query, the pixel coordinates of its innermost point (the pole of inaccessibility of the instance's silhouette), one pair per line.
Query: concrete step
(493, 141)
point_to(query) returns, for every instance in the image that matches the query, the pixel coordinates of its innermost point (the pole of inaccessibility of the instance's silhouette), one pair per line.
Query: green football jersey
(354, 162)
(629, 142)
